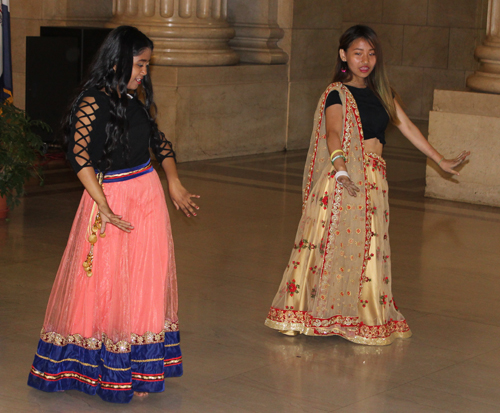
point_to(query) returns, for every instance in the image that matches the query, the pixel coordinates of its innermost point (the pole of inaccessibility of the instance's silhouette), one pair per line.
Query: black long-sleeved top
(88, 134)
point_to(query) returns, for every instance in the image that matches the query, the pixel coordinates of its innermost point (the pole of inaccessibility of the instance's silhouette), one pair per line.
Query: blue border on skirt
(112, 376)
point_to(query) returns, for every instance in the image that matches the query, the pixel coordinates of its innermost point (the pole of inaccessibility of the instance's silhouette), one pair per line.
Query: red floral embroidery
(304, 244)
(313, 293)
(322, 247)
(383, 299)
(292, 288)
(324, 200)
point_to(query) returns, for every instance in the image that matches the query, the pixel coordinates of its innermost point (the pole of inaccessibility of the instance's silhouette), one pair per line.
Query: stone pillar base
(217, 112)
(487, 78)
(466, 120)
(484, 82)
(258, 44)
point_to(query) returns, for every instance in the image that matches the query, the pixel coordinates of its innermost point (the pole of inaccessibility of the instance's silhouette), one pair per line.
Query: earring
(343, 67)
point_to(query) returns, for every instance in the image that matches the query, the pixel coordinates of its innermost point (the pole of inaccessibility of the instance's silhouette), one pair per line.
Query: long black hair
(377, 80)
(110, 72)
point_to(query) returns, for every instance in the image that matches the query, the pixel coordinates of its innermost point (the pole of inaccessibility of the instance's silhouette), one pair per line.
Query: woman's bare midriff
(373, 146)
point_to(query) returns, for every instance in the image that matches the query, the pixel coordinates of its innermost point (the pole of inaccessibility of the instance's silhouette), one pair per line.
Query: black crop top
(86, 144)
(374, 118)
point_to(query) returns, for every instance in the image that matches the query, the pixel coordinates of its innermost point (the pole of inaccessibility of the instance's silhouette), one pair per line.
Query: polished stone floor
(230, 261)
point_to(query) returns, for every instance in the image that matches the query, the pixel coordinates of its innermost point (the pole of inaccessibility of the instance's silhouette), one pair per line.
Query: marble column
(257, 31)
(487, 77)
(185, 32)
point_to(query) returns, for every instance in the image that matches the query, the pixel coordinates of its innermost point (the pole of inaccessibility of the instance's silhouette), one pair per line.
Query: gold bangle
(335, 151)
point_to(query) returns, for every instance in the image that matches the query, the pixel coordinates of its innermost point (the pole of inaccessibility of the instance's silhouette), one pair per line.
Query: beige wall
(312, 29)
(428, 44)
(217, 112)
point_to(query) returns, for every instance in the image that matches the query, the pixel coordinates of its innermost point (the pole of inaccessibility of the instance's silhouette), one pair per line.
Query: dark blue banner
(6, 89)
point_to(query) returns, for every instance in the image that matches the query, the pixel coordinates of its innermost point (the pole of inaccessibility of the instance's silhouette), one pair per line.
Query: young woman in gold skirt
(338, 280)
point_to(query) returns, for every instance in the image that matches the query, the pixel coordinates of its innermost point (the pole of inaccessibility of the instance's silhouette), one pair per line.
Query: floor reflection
(230, 261)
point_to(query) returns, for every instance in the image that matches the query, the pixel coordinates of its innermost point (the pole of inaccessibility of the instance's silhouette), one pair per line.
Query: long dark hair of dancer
(110, 71)
(377, 80)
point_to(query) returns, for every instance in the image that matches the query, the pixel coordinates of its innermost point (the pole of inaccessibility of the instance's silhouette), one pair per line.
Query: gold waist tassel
(92, 231)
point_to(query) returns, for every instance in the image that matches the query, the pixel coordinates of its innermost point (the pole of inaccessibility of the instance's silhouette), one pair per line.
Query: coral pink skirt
(116, 331)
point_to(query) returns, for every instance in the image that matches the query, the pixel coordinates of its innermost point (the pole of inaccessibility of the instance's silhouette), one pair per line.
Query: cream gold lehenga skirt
(305, 303)
(116, 331)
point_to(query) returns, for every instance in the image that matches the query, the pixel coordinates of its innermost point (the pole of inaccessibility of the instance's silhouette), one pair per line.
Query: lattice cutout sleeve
(164, 149)
(85, 116)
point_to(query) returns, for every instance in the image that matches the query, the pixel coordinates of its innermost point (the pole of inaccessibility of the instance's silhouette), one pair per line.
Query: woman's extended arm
(413, 134)
(333, 118)
(180, 196)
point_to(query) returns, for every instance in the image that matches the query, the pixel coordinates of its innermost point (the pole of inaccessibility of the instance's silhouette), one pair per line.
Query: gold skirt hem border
(335, 331)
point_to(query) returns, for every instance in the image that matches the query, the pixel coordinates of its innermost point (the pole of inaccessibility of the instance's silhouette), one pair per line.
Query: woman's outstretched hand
(449, 165)
(107, 216)
(348, 184)
(181, 198)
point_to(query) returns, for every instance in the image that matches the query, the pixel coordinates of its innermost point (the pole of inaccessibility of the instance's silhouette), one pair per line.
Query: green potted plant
(20, 148)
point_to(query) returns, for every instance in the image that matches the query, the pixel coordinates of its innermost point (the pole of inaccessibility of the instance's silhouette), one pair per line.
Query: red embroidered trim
(368, 219)
(318, 128)
(65, 375)
(338, 188)
(338, 321)
(173, 362)
(91, 382)
(148, 377)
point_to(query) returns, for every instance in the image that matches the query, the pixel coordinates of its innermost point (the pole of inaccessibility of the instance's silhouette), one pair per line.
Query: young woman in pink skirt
(111, 324)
